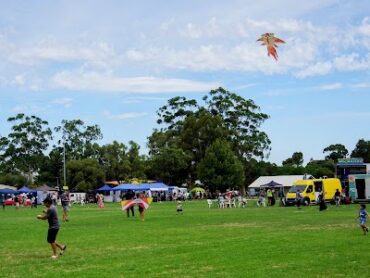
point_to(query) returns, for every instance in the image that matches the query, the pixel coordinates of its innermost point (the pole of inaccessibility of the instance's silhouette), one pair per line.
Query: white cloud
(66, 102)
(213, 28)
(362, 85)
(96, 54)
(135, 55)
(191, 31)
(364, 28)
(310, 50)
(213, 44)
(124, 116)
(24, 81)
(27, 108)
(19, 80)
(249, 57)
(143, 99)
(329, 87)
(245, 86)
(3, 81)
(97, 82)
(352, 62)
(320, 68)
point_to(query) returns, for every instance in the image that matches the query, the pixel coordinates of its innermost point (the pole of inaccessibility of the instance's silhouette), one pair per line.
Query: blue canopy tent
(124, 187)
(7, 191)
(104, 188)
(143, 187)
(107, 191)
(26, 190)
(129, 186)
(158, 186)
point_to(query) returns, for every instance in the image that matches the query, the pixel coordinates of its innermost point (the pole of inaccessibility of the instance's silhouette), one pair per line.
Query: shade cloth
(104, 188)
(25, 189)
(7, 191)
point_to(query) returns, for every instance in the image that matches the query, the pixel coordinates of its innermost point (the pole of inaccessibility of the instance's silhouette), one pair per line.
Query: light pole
(64, 163)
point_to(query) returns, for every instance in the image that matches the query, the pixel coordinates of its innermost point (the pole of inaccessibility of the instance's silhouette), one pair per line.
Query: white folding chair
(209, 202)
(244, 202)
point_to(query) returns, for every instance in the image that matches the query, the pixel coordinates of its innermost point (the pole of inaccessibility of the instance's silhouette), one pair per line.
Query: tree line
(218, 141)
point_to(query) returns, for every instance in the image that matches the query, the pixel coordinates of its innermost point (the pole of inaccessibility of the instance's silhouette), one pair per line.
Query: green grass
(249, 242)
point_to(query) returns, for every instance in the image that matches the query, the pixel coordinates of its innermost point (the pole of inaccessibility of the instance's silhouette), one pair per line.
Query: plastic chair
(242, 202)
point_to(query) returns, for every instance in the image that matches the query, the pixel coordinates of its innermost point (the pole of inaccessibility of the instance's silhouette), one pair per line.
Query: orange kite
(270, 41)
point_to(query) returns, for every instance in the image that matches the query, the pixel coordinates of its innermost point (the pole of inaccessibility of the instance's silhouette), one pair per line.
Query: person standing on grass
(51, 215)
(129, 196)
(321, 200)
(64, 198)
(261, 199)
(269, 197)
(363, 215)
(179, 207)
(141, 208)
(282, 197)
(16, 199)
(100, 198)
(298, 199)
(337, 197)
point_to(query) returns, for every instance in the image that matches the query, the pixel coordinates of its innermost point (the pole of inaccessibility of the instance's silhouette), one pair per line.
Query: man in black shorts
(51, 215)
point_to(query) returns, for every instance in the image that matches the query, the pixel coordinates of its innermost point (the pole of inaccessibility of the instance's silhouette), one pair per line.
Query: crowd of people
(19, 200)
(130, 199)
(271, 195)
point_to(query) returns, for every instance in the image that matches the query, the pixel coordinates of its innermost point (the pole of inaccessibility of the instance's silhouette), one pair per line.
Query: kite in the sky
(270, 41)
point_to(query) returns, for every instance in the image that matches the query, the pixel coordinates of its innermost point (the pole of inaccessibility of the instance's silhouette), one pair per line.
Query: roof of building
(2, 186)
(286, 181)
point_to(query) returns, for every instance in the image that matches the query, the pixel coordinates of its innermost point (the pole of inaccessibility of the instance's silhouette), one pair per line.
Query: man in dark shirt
(129, 196)
(65, 204)
(337, 198)
(51, 215)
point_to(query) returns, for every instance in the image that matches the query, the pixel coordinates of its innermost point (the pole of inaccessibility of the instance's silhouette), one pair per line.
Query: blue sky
(114, 63)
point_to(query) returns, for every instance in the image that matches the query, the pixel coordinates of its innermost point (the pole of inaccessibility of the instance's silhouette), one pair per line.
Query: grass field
(249, 242)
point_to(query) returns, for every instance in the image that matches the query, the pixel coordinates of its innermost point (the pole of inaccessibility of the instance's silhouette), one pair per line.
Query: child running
(179, 207)
(363, 215)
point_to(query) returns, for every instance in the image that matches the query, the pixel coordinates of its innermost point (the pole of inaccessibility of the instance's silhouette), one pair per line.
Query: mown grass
(249, 242)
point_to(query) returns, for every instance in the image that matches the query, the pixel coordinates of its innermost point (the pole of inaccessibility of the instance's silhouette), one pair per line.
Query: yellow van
(310, 190)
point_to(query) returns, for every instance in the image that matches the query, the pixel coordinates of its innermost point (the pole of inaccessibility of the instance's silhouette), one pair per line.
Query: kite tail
(272, 51)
